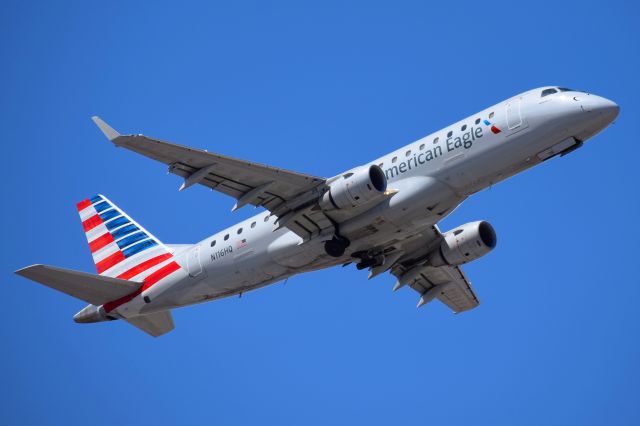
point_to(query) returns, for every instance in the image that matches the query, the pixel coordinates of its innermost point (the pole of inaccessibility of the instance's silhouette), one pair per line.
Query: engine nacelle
(355, 188)
(464, 244)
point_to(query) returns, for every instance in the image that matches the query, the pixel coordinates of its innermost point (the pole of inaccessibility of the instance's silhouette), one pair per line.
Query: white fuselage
(432, 176)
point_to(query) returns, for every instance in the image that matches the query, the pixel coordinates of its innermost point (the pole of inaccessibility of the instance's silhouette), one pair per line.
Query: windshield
(552, 90)
(564, 89)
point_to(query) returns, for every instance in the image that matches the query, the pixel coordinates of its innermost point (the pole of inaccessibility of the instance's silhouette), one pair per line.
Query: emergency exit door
(194, 264)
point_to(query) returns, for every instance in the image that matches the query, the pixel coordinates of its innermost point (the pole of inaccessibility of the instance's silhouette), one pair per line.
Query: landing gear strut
(336, 246)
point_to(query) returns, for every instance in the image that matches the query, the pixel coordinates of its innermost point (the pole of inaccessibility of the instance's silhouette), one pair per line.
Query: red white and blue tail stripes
(122, 248)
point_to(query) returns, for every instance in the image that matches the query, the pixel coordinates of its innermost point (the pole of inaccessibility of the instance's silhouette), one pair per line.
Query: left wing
(288, 195)
(447, 283)
(411, 267)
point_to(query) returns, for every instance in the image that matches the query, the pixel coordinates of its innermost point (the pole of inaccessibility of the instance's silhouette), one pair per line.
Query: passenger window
(213, 243)
(491, 114)
(477, 121)
(547, 92)
(435, 141)
(394, 159)
(239, 231)
(226, 237)
(408, 153)
(449, 134)
(266, 218)
(463, 128)
(253, 224)
(421, 147)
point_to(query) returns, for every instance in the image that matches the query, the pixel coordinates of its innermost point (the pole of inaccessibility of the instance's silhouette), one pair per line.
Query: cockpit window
(547, 92)
(564, 89)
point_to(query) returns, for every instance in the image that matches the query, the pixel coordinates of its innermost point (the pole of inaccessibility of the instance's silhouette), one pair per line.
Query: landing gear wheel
(334, 249)
(336, 246)
(342, 240)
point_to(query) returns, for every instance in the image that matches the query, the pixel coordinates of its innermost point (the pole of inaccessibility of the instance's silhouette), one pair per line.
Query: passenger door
(516, 121)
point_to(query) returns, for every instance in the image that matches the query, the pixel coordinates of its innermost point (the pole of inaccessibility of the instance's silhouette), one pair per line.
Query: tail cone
(91, 313)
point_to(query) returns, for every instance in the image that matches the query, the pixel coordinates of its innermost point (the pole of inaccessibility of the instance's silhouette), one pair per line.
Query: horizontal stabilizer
(155, 324)
(94, 289)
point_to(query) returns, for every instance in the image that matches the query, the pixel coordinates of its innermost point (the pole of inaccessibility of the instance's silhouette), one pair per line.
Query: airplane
(380, 216)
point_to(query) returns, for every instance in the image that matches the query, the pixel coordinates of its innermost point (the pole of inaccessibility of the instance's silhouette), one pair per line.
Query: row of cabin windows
(435, 141)
(393, 160)
(239, 231)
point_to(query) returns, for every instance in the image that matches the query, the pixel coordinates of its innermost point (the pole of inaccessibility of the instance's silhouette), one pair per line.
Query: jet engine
(464, 244)
(355, 188)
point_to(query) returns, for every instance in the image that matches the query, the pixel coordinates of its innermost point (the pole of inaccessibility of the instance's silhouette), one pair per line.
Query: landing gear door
(516, 121)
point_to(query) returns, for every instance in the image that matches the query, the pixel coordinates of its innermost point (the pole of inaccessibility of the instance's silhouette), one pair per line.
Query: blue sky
(319, 87)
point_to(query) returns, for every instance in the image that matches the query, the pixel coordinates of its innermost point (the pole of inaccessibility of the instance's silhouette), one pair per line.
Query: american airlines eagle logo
(494, 129)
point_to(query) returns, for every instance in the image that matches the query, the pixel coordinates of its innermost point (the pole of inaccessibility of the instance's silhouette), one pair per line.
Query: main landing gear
(368, 259)
(336, 246)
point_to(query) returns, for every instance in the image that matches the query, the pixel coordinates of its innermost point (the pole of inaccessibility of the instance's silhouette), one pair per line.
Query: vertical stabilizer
(120, 246)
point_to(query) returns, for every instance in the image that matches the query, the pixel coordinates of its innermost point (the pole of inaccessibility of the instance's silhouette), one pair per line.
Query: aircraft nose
(596, 113)
(606, 108)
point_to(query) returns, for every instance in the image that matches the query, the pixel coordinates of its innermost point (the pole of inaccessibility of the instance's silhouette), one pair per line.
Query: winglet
(108, 131)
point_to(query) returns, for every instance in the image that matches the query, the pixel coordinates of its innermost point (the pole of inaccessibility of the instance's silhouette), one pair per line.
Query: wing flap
(155, 324)
(94, 289)
(454, 288)
(459, 295)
